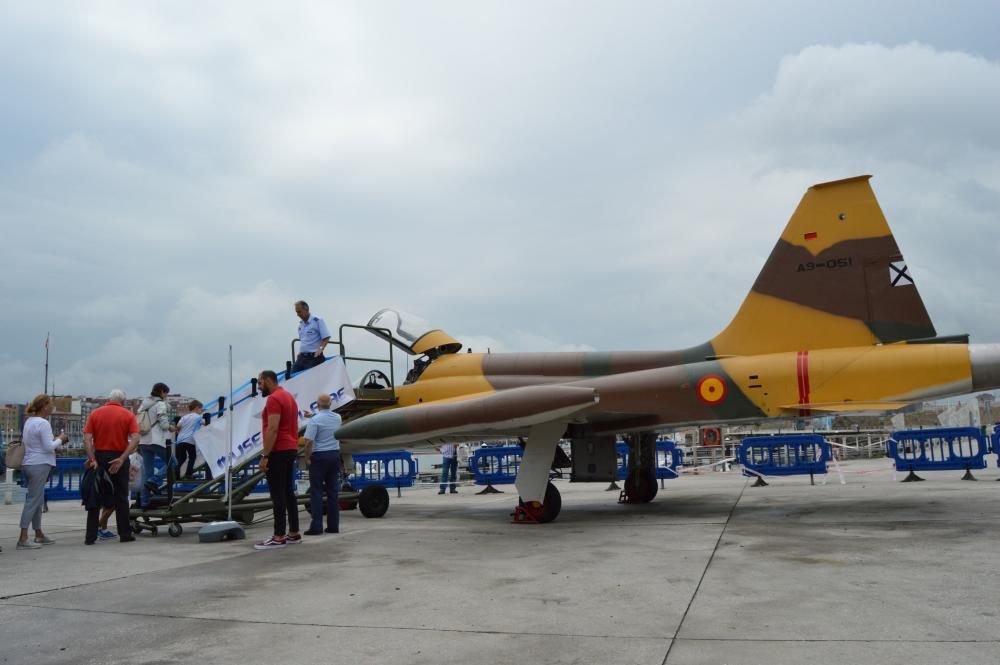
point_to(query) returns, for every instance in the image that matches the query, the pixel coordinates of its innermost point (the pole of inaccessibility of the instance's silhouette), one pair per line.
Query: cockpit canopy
(411, 333)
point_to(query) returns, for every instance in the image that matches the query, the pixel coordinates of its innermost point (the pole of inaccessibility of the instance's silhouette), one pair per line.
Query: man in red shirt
(281, 445)
(110, 436)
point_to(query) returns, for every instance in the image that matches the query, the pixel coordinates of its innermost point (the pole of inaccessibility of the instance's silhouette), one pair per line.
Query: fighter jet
(833, 324)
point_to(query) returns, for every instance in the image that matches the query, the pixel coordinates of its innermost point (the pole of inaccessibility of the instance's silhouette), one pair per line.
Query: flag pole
(229, 456)
(227, 529)
(46, 391)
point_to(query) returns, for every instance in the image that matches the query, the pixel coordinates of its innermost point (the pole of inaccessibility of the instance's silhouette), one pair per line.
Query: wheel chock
(524, 515)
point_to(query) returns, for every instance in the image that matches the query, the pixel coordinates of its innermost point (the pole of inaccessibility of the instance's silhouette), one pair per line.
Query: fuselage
(641, 390)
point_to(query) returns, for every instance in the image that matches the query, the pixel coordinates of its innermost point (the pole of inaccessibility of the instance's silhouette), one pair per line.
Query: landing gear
(640, 487)
(532, 512)
(175, 530)
(640, 483)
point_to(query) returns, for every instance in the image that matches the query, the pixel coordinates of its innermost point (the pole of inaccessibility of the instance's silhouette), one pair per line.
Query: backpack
(146, 421)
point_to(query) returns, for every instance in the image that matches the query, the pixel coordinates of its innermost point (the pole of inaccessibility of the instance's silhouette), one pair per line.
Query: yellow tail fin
(835, 278)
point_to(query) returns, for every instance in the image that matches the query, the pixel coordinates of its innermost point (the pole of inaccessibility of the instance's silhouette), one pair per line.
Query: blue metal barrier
(396, 468)
(783, 455)
(496, 465)
(995, 441)
(942, 449)
(668, 458)
(64, 483)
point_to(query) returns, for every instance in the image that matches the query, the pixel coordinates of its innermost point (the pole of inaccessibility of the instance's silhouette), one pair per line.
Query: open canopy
(411, 333)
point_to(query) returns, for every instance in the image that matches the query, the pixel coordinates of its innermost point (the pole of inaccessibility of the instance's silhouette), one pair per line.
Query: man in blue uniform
(313, 338)
(325, 468)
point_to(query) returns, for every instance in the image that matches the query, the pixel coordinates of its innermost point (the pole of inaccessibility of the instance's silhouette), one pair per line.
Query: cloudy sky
(527, 176)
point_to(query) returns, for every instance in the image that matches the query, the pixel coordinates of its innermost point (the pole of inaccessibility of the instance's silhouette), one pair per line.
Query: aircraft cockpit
(414, 336)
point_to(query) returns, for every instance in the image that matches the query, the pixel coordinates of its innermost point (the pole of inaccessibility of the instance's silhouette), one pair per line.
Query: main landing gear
(532, 512)
(640, 483)
(640, 487)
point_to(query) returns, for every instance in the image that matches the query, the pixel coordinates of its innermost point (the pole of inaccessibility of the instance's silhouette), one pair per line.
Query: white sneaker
(28, 545)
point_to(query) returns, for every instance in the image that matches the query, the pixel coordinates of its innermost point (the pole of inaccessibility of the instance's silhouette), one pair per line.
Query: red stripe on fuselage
(802, 374)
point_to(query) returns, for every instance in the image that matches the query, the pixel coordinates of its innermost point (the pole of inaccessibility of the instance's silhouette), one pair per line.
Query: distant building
(11, 420)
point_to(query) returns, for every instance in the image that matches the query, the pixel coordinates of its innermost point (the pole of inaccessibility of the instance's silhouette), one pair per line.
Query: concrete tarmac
(712, 571)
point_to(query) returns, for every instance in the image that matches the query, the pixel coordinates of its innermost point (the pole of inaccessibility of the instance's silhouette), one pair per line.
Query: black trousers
(186, 451)
(306, 361)
(280, 483)
(120, 480)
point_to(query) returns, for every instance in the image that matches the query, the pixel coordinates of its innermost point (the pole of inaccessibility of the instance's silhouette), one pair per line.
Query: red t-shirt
(111, 424)
(282, 403)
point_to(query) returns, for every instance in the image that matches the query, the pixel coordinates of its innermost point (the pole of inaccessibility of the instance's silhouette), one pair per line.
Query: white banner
(213, 440)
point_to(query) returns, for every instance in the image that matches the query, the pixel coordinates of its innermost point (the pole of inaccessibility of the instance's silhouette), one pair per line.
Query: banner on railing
(213, 440)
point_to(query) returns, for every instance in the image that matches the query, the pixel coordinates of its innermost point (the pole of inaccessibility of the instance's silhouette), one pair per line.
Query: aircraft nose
(985, 359)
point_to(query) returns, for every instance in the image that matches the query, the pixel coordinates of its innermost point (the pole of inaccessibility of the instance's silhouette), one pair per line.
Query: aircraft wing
(845, 407)
(503, 412)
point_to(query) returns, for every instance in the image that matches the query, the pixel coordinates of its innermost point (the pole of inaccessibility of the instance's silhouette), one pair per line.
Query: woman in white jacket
(39, 460)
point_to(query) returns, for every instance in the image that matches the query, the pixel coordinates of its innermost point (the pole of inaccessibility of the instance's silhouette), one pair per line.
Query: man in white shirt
(449, 467)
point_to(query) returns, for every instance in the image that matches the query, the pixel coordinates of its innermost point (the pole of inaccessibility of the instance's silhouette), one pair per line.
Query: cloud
(911, 103)
(574, 177)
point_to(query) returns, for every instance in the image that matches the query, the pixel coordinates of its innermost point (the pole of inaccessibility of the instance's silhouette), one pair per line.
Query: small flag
(898, 274)
(46, 341)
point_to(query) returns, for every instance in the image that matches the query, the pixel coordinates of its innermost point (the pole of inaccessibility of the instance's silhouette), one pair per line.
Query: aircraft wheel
(153, 531)
(549, 510)
(175, 530)
(642, 489)
(374, 501)
(246, 517)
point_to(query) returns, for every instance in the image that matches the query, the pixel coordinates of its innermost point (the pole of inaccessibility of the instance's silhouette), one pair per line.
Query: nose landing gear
(532, 512)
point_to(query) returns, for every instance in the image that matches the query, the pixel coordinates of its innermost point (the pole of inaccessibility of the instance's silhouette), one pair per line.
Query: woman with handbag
(39, 460)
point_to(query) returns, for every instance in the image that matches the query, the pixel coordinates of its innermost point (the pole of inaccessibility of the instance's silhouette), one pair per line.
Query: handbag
(15, 455)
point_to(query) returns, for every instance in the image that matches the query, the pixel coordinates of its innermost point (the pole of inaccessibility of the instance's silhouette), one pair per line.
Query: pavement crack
(310, 624)
(704, 572)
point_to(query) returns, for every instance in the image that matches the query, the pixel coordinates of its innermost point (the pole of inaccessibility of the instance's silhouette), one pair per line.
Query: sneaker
(45, 540)
(333, 531)
(28, 545)
(454, 491)
(313, 532)
(441, 492)
(105, 534)
(294, 540)
(272, 543)
(127, 539)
